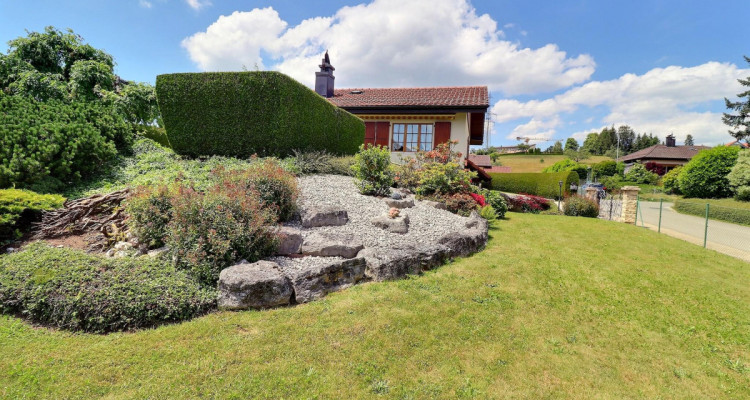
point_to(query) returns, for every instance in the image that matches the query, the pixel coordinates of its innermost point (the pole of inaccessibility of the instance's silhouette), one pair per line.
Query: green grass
(555, 307)
(533, 162)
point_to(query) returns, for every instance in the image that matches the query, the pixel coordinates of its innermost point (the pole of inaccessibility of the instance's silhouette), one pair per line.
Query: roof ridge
(416, 87)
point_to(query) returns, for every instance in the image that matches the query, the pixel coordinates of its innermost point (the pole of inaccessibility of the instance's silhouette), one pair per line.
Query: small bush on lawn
(577, 206)
(739, 177)
(72, 290)
(19, 208)
(639, 174)
(372, 170)
(495, 199)
(529, 203)
(488, 213)
(705, 176)
(671, 182)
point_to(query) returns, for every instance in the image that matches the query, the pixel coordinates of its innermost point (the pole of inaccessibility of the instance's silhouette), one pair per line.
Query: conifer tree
(739, 122)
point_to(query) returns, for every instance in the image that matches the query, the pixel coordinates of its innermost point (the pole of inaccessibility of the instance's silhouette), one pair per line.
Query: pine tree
(689, 140)
(740, 122)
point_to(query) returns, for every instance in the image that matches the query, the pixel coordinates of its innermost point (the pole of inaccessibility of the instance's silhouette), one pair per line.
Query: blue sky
(555, 68)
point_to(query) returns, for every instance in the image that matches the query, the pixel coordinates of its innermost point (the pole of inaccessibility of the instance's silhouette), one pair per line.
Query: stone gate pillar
(629, 204)
(592, 193)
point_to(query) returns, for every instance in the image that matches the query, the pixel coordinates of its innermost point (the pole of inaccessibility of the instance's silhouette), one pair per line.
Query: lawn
(555, 307)
(537, 162)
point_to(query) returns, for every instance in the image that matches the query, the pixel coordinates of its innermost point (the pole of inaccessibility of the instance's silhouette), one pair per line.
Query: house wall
(459, 132)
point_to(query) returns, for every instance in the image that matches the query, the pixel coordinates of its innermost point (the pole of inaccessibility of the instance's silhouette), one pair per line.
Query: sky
(555, 69)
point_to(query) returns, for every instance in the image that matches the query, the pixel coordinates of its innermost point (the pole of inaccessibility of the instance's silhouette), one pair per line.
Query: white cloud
(145, 4)
(198, 4)
(661, 101)
(382, 44)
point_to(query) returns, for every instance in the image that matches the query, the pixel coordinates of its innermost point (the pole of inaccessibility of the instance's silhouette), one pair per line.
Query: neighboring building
(483, 161)
(739, 144)
(515, 149)
(407, 120)
(668, 156)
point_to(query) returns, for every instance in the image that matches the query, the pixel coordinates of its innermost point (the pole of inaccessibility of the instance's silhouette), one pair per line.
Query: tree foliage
(689, 140)
(739, 116)
(705, 176)
(739, 177)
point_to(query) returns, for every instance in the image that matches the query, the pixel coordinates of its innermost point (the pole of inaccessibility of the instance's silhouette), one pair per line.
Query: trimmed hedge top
(545, 184)
(244, 113)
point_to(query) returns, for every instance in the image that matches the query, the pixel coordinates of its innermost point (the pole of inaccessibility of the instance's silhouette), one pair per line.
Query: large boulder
(324, 217)
(399, 224)
(329, 245)
(468, 241)
(315, 282)
(407, 202)
(257, 285)
(435, 204)
(400, 261)
(290, 241)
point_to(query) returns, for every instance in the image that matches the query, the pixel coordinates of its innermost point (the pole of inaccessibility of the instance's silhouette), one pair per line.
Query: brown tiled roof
(498, 169)
(664, 152)
(460, 96)
(483, 161)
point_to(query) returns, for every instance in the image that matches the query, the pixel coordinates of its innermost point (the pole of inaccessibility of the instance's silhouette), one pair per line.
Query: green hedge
(19, 208)
(244, 113)
(543, 184)
(721, 213)
(73, 290)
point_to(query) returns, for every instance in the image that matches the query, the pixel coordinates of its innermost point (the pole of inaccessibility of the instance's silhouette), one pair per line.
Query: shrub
(158, 135)
(488, 213)
(698, 208)
(458, 203)
(342, 165)
(670, 181)
(244, 113)
(150, 209)
(577, 206)
(19, 208)
(210, 231)
(606, 168)
(438, 171)
(540, 184)
(55, 143)
(655, 168)
(739, 177)
(568, 165)
(312, 162)
(277, 189)
(497, 201)
(705, 176)
(72, 290)
(639, 174)
(528, 203)
(612, 183)
(406, 175)
(372, 170)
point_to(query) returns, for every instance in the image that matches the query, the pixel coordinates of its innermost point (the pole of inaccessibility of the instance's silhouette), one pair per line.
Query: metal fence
(706, 230)
(610, 206)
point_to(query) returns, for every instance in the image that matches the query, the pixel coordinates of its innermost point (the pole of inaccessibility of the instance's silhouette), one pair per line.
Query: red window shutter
(382, 133)
(369, 132)
(442, 132)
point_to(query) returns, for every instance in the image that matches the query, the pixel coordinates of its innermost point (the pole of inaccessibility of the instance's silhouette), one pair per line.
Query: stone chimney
(670, 141)
(324, 78)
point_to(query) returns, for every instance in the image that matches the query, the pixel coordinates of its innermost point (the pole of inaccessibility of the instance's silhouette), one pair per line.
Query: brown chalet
(668, 156)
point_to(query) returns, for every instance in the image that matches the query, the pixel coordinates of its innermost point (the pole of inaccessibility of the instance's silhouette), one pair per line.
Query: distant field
(537, 162)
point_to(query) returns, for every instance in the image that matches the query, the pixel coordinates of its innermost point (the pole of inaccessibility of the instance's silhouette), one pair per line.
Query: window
(412, 137)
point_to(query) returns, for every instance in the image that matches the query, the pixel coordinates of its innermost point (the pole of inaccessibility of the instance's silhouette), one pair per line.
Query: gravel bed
(426, 224)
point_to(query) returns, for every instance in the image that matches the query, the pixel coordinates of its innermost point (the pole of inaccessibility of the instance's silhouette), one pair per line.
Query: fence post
(661, 206)
(705, 233)
(630, 200)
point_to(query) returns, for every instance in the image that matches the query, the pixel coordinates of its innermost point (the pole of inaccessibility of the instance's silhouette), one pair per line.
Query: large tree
(739, 121)
(571, 144)
(689, 140)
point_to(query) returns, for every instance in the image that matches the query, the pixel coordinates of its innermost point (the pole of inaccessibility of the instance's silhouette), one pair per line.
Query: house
(484, 162)
(407, 120)
(739, 144)
(667, 155)
(515, 149)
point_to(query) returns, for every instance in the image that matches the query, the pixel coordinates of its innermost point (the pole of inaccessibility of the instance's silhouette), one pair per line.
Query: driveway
(731, 239)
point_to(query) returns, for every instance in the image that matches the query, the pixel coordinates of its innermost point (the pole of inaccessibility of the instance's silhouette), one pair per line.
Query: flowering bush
(479, 199)
(438, 171)
(372, 170)
(459, 203)
(529, 203)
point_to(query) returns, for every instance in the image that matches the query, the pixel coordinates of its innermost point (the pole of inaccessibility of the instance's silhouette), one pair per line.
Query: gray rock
(158, 252)
(400, 261)
(290, 241)
(476, 221)
(328, 245)
(435, 204)
(123, 246)
(110, 253)
(399, 224)
(324, 217)
(257, 285)
(400, 203)
(396, 196)
(10, 250)
(469, 240)
(315, 282)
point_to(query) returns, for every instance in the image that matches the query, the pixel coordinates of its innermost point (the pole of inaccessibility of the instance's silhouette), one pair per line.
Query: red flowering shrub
(655, 168)
(478, 198)
(150, 209)
(529, 203)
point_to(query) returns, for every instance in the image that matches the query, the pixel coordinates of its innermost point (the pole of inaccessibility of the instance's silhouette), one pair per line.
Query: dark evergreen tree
(689, 140)
(571, 144)
(626, 136)
(739, 122)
